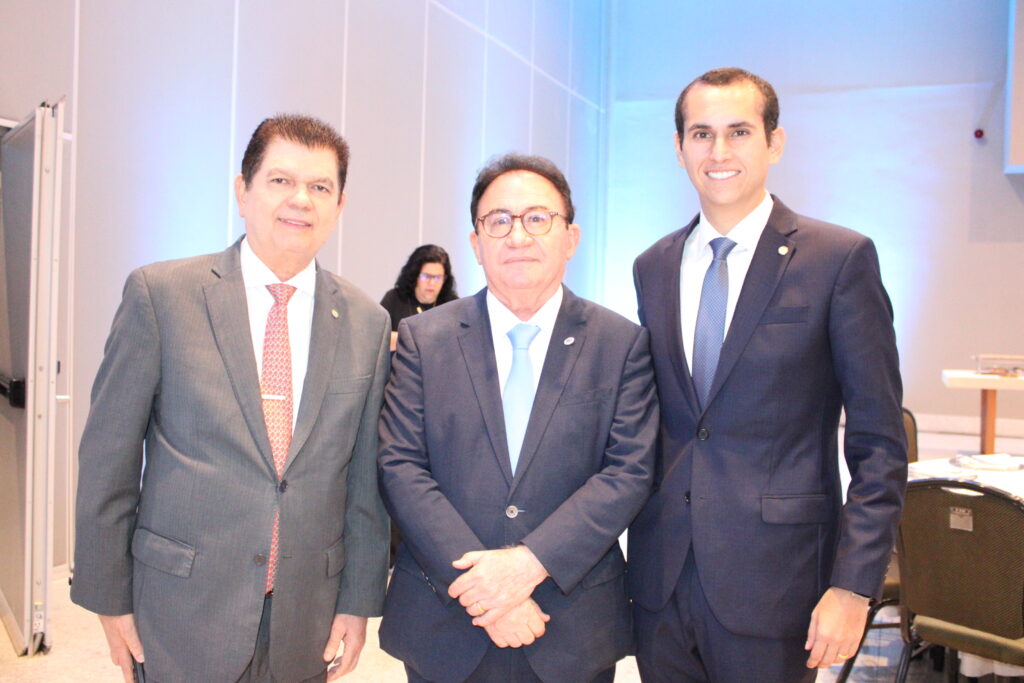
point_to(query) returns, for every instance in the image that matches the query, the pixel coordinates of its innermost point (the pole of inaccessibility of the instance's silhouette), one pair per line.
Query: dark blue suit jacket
(752, 482)
(584, 472)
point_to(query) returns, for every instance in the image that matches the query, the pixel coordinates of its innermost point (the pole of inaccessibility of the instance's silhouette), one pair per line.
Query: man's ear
(240, 192)
(776, 144)
(574, 235)
(474, 240)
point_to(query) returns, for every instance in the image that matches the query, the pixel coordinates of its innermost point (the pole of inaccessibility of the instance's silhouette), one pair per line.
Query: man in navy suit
(746, 564)
(510, 569)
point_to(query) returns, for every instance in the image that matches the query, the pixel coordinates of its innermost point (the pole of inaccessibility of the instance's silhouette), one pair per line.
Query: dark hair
(428, 253)
(508, 163)
(728, 76)
(305, 130)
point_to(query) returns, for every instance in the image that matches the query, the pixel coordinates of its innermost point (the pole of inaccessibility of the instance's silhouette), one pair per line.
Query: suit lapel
(329, 310)
(673, 262)
(554, 376)
(229, 318)
(477, 345)
(774, 251)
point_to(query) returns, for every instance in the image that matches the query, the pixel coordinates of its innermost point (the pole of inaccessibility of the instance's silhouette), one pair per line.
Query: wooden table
(989, 385)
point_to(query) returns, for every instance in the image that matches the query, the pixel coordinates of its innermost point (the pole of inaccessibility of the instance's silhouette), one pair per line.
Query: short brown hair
(728, 76)
(305, 130)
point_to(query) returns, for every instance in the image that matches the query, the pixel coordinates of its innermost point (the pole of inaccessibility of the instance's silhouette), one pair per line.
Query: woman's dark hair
(428, 253)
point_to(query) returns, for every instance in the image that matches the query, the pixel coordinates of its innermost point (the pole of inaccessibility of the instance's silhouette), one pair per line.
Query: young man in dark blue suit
(746, 564)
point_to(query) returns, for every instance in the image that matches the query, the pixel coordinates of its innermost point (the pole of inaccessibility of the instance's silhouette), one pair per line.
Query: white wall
(880, 101)
(164, 96)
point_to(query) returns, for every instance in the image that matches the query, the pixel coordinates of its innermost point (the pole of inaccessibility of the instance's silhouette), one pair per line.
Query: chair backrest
(910, 425)
(961, 555)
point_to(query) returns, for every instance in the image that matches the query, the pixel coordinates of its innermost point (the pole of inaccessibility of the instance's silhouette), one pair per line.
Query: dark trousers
(684, 642)
(258, 670)
(508, 665)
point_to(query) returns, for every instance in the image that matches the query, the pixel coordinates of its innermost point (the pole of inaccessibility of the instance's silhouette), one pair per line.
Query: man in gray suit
(252, 379)
(512, 465)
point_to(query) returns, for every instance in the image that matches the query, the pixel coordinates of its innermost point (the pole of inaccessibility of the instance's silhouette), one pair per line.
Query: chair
(961, 557)
(891, 587)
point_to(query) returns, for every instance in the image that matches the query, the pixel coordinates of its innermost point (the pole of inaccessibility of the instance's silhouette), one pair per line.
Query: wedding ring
(842, 656)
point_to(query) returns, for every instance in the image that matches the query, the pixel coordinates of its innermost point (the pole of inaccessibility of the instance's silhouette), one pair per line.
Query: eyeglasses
(427, 277)
(536, 221)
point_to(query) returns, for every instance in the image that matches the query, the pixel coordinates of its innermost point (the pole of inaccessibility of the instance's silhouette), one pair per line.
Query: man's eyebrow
(705, 126)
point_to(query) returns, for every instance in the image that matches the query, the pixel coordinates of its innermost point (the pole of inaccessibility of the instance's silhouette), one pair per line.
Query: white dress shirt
(697, 256)
(256, 276)
(503, 320)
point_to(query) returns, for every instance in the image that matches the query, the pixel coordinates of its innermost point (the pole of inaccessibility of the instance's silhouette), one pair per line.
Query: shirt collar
(745, 234)
(255, 273)
(503, 320)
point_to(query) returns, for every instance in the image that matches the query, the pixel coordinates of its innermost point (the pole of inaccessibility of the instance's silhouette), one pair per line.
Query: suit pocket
(810, 508)
(784, 314)
(582, 397)
(350, 385)
(336, 557)
(162, 553)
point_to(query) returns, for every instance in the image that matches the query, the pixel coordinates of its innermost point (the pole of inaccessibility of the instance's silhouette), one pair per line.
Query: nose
(720, 148)
(519, 237)
(301, 197)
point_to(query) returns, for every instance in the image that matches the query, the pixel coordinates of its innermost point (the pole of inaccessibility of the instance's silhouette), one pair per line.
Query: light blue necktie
(518, 397)
(710, 331)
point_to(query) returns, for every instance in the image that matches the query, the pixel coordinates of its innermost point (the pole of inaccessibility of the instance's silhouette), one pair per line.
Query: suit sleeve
(111, 454)
(638, 286)
(432, 528)
(364, 578)
(867, 366)
(596, 514)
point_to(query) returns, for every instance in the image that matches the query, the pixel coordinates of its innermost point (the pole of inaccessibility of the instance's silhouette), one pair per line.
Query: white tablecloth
(998, 471)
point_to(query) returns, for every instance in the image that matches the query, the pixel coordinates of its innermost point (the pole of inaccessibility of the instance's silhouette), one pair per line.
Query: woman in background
(425, 281)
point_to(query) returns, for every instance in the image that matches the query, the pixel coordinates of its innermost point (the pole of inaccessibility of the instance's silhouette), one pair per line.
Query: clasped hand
(495, 589)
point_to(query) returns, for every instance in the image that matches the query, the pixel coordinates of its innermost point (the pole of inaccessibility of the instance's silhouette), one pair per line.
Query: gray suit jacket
(584, 471)
(186, 551)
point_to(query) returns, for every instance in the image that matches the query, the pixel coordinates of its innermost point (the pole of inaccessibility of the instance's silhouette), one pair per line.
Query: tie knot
(721, 246)
(522, 335)
(281, 292)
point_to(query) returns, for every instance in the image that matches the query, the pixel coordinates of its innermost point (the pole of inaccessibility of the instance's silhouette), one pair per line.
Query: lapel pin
(569, 340)
(334, 312)
(783, 250)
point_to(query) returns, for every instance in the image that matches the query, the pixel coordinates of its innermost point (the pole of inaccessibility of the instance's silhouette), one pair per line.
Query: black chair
(891, 587)
(961, 557)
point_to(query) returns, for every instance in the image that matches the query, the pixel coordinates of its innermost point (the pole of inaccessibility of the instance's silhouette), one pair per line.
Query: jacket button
(511, 512)
(686, 497)
(283, 486)
(703, 434)
(259, 559)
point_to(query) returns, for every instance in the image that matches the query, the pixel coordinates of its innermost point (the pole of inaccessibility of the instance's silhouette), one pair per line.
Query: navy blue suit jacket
(752, 481)
(584, 472)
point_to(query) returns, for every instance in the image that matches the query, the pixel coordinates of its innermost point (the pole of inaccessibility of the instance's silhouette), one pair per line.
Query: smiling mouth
(722, 175)
(295, 223)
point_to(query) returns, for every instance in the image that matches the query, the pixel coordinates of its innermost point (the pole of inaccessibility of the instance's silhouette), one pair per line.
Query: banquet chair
(961, 556)
(891, 586)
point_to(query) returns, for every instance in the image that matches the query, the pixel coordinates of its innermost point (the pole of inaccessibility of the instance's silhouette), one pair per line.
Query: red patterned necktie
(276, 388)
